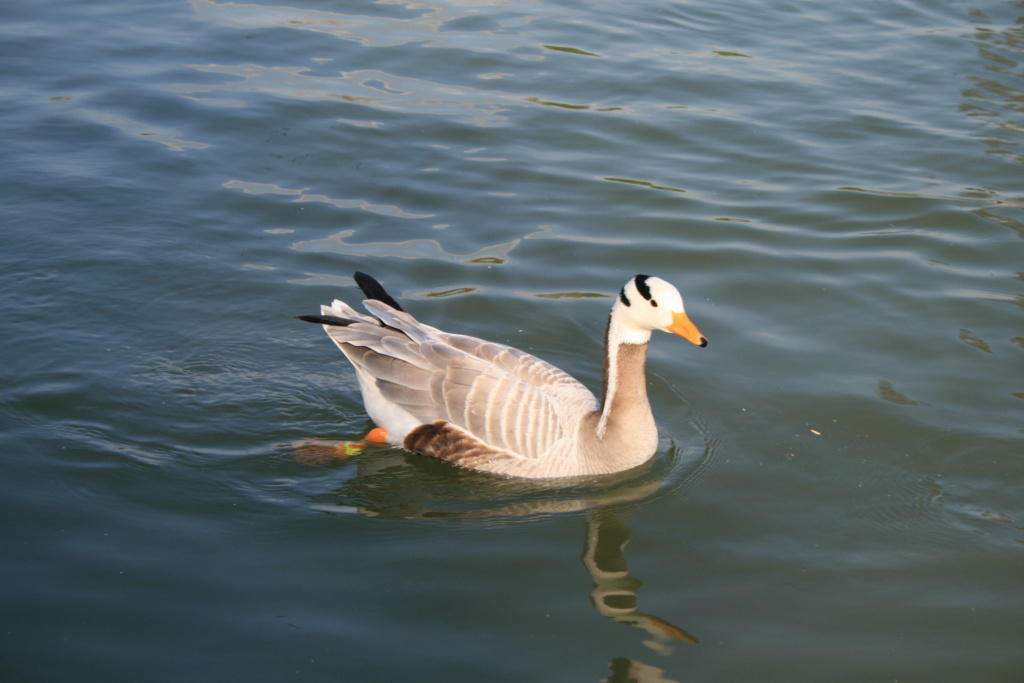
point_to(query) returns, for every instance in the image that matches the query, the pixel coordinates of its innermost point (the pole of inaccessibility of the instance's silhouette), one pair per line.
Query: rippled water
(836, 189)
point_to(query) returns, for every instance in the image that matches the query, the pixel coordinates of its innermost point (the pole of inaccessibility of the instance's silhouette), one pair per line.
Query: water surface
(836, 190)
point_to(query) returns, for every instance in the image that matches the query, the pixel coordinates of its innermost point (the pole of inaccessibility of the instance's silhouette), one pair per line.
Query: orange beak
(682, 326)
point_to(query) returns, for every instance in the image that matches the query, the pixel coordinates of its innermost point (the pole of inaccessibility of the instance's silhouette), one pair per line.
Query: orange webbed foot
(378, 436)
(318, 452)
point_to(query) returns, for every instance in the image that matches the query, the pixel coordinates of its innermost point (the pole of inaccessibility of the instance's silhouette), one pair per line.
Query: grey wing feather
(506, 397)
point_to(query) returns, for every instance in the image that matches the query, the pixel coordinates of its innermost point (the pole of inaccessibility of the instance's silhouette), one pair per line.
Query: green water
(837, 190)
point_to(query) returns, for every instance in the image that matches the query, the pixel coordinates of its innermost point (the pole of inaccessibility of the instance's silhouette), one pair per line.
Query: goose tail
(340, 314)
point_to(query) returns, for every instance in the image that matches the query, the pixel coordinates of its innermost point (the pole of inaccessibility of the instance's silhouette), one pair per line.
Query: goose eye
(654, 303)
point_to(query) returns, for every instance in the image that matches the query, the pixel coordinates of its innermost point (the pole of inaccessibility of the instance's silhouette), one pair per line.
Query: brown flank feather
(445, 441)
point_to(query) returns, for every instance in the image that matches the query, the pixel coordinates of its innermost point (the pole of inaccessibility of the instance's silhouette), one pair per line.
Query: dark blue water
(837, 190)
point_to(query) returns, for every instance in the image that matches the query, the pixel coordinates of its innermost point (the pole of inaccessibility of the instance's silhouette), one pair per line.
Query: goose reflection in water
(614, 593)
(400, 486)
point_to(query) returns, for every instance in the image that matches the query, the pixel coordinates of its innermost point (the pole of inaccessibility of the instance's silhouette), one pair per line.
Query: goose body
(491, 407)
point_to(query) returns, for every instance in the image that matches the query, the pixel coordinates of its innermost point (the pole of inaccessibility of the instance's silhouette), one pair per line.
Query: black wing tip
(326, 320)
(375, 290)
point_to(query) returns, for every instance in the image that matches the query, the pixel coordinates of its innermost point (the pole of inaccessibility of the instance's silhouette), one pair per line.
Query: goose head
(649, 303)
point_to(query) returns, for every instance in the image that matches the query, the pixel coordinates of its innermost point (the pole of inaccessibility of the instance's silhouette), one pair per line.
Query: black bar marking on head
(641, 286)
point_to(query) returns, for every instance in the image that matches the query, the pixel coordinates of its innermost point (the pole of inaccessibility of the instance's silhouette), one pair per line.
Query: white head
(649, 303)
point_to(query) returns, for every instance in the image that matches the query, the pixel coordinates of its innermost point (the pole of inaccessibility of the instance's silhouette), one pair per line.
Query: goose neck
(624, 404)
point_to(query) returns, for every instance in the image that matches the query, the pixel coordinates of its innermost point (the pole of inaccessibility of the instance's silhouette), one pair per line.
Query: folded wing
(509, 399)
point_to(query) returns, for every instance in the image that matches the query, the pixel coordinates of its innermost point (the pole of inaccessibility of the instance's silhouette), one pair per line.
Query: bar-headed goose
(491, 407)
